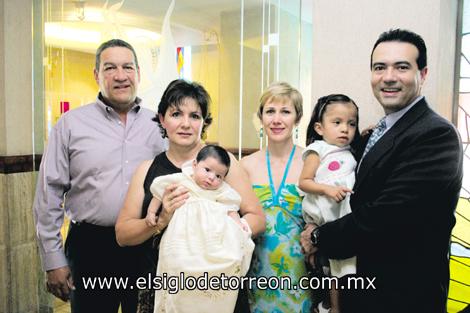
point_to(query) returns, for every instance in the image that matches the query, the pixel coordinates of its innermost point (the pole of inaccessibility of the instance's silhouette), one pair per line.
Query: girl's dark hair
(216, 152)
(175, 95)
(319, 111)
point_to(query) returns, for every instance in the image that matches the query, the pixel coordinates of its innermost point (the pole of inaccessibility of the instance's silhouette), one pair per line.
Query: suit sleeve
(422, 167)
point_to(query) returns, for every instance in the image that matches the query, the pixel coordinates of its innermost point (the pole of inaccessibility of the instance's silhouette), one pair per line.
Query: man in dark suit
(407, 187)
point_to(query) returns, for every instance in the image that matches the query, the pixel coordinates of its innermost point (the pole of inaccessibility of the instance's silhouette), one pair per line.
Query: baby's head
(335, 120)
(210, 167)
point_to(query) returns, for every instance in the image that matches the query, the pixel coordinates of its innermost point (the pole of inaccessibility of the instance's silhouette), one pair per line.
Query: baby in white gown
(205, 235)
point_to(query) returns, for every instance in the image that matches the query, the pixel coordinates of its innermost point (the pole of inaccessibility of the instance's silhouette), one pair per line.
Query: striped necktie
(376, 134)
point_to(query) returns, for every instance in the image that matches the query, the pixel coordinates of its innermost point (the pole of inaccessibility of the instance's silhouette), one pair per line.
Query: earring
(296, 136)
(261, 138)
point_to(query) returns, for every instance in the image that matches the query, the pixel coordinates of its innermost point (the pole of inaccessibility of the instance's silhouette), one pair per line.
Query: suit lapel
(387, 141)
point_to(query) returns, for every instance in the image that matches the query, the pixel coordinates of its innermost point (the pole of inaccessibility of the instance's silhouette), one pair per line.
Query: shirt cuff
(53, 260)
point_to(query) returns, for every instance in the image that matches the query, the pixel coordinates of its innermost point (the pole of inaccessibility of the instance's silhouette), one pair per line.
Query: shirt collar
(107, 107)
(392, 118)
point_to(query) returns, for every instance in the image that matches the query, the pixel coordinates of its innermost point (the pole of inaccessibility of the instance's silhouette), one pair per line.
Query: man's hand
(60, 282)
(306, 242)
(310, 258)
(367, 131)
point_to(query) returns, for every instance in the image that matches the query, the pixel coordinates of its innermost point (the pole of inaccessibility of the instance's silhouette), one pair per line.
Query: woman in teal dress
(274, 172)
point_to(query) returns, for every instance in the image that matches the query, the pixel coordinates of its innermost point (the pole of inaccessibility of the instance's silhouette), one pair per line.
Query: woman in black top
(183, 115)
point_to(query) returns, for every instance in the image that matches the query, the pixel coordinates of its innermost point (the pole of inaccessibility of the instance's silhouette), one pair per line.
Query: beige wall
(345, 31)
(16, 78)
(2, 83)
(21, 281)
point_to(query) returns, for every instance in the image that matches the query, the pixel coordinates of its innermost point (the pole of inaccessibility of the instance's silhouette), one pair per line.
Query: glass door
(235, 48)
(276, 39)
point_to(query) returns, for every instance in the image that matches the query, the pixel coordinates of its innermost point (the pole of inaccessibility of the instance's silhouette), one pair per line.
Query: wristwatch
(315, 236)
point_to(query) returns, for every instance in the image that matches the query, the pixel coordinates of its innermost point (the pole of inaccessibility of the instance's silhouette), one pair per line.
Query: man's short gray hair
(113, 43)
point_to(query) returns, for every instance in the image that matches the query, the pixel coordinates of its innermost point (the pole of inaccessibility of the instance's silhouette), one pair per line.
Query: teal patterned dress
(278, 252)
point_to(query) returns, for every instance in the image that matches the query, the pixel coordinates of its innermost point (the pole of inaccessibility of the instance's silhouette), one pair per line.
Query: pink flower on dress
(334, 166)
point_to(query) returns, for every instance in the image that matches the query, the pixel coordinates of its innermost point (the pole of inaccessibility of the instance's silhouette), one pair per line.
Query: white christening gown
(201, 238)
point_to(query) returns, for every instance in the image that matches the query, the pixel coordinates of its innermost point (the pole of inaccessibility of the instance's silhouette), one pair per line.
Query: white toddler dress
(336, 168)
(201, 238)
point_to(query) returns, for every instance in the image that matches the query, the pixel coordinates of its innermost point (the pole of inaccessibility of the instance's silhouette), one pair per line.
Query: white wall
(345, 31)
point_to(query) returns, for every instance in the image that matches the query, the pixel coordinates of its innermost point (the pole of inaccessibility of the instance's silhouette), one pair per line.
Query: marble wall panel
(3, 211)
(24, 278)
(21, 187)
(4, 280)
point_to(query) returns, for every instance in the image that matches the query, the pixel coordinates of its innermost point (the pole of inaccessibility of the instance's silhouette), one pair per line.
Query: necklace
(277, 194)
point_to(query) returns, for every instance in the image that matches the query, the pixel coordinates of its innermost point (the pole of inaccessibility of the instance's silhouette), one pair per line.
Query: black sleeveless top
(160, 166)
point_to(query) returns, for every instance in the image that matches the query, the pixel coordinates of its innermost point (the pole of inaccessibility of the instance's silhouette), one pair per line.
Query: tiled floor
(64, 307)
(61, 307)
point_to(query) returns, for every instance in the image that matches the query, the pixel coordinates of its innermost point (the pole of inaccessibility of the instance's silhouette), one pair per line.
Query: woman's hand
(174, 197)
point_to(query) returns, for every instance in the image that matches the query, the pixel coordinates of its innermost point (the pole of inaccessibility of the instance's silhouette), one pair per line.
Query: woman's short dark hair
(216, 152)
(175, 95)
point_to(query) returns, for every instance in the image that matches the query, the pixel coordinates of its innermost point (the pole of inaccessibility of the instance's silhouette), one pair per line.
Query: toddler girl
(328, 172)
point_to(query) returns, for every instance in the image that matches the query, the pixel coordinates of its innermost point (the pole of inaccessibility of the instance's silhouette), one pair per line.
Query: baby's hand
(337, 193)
(234, 215)
(150, 219)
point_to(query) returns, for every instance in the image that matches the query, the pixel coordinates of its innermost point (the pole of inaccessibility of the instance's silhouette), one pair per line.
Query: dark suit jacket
(402, 215)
